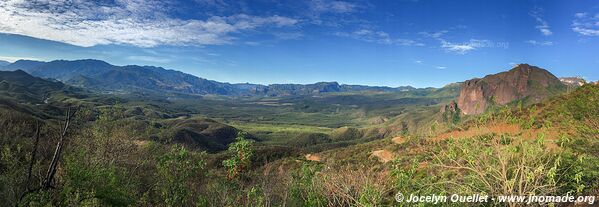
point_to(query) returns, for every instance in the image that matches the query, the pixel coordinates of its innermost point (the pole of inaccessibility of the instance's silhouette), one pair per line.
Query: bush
(240, 162)
(177, 171)
(86, 183)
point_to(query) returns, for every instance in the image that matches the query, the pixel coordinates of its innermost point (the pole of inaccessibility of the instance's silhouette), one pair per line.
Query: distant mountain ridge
(4, 63)
(521, 82)
(26, 87)
(99, 75)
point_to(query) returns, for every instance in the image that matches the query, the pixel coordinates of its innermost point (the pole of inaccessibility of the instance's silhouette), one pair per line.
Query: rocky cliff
(522, 81)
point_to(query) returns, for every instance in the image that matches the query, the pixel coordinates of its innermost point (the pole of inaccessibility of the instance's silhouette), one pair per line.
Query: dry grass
(354, 187)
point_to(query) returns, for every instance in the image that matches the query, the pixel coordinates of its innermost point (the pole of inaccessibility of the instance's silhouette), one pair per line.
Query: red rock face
(520, 82)
(472, 99)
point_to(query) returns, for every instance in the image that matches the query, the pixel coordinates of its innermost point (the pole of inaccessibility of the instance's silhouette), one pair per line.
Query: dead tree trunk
(33, 154)
(56, 157)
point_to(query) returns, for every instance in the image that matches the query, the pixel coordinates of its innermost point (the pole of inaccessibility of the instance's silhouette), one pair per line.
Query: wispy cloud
(540, 43)
(379, 37)
(328, 6)
(151, 59)
(542, 25)
(13, 58)
(463, 48)
(586, 24)
(441, 67)
(289, 35)
(143, 23)
(434, 35)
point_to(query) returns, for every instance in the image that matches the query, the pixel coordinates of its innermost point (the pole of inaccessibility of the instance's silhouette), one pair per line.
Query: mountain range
(99, 75)
(523, 82)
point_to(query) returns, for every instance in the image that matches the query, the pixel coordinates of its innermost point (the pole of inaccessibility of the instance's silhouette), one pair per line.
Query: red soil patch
(398, 140)
(312, 157)
(502, 128)
(383, 155)
(550, 137)
(422, 165)
(140, 143)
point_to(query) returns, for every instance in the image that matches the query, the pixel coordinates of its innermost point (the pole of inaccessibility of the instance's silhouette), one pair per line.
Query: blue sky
(397, 42)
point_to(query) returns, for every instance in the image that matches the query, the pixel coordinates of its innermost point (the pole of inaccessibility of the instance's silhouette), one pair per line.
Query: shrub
(86, 183)
(242, 155)
(302, 190)
(176, 171)
(353, 186)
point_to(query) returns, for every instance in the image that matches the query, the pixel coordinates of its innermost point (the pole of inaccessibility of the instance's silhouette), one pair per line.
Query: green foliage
(241, 159)
(409, 179)
(12, 173)
(176, 171)
(255, 197)
(370, 196)
(86, 183)
(302, 191)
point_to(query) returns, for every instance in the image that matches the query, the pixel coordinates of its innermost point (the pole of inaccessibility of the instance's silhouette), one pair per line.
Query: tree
(54, 163)
(175, 170)
(242, 154)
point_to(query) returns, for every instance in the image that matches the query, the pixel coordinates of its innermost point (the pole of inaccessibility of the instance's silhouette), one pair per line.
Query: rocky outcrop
(522, 81)
(451, 112)
(573, 81)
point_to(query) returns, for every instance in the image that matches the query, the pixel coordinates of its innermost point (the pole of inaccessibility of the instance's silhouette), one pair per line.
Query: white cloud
(152, 59)
(542, 25)
(580, 15)
(441, 67)
(143, 23)
(586, 31)
(13, 58)
(434, 35)
(419, 61)
(379, 37)
(289, 35)
(463, 48)
(540, 43)
(327, 6)
(585, 24)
